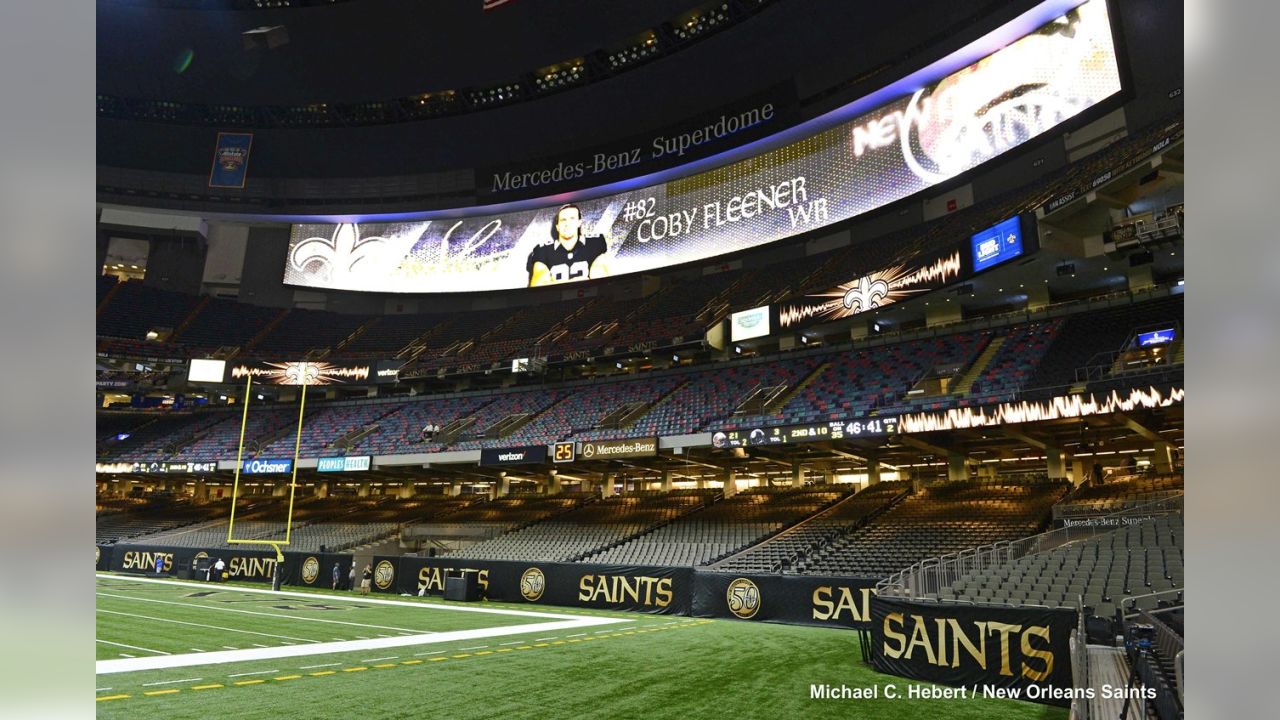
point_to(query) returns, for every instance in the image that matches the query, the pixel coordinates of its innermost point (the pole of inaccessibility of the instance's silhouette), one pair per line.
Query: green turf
(647, 667)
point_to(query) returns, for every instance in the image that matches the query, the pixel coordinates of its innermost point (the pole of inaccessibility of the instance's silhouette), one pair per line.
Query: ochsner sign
(954, 124)
(266, 467)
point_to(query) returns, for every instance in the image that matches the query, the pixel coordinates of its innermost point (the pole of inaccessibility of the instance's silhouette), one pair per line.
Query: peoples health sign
(355, 463)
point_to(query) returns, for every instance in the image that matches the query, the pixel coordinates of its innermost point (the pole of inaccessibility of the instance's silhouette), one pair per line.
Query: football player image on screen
(570, 254)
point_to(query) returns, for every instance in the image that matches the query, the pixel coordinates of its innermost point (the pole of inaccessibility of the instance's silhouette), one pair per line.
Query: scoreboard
(808, 432)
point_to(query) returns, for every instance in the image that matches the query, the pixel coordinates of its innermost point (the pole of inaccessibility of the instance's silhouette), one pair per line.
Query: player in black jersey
(569, 255)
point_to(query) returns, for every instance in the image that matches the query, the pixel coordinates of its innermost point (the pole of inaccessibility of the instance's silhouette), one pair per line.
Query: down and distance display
(939, 131)
(809, 432)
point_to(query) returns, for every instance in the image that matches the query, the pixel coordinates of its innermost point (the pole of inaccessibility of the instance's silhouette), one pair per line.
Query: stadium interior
(1000, 435)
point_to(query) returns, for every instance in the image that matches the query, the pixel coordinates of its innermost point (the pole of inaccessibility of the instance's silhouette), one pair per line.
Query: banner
(308, 569)
(312, 373)
(348, 463)
(500, 457)
(1020, 653)
(230, 160)
(102, 557)
(267, 466)
(789, 599)
(926, 137)
(656, 590)
(611, 449)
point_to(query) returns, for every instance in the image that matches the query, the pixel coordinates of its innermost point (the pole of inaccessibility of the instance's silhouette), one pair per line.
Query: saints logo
(744, 598)
(310, 570)
(384, 574)
(532, 584)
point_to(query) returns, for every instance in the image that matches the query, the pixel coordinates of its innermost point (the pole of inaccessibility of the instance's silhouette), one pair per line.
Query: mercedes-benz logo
(588, 450)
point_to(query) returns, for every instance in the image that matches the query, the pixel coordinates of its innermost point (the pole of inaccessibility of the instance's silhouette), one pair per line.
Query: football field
(196, 650)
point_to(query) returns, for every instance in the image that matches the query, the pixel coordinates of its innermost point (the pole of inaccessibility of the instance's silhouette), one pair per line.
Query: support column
(553, 483)
(606, 485)
(504, 485)
(957, 468)
(322, 490)
(1055, 463)
(1162, 457)
(280, 489)
(729, 481)
(1079, 473)
(873, 471)
(364, 491)
(666, 481)
(202, 491)
(797, 475)
(828, 475)
(455, 488)
(406, 490)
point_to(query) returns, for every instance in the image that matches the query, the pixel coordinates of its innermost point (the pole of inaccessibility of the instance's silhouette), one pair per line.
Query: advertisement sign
(276, 466)
(1023, 651)
(527, 455)
(309, 569)
(943, 129)
(157, 467)
(207, 370)
(749, 324)
(999, 243)
(807, 432)
(618, 449)
(354, 463)
(230, 160)
(1163, 336)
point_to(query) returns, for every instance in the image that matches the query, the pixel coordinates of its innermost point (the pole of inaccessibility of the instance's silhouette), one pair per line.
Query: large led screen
(919, 140)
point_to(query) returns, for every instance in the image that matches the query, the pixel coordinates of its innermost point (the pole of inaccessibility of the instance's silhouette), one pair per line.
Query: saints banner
(657, 590)
(1020, 653)
(230, 160)
(789, 599)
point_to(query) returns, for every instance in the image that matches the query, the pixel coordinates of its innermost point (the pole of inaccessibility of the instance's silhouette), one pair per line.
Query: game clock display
(809, 432)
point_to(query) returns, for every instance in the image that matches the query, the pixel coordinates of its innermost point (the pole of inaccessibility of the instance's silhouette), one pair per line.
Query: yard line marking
(576, 635)
(170, 691)
(111, 697)
(478, 647)
(362, 637)
(105, 667)
(257, 644)
(340, 639)
(355, 669)
(211, 627)
(260, 672)
(506, 649)
(460, 656)
(210, 686)
(513, 642)
(127, 655)
(170, 682)
(230, 647)
(253, 612)
(410, 662)
(485, 652)
(323, 673)
(437, 659)
(287, 677)
(386, 665)
(543, 639)
(433, 652)
(389, 657)
(362, 600)
(131, 647)
(309, 667)
(197, 650)
(250, 682)
(101, 689)
(601, 632)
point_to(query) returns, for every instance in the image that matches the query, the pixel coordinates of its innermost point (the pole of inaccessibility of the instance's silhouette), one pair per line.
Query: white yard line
(170, 682)
(259, 672)
(564, 622)
(133, 647)
(312, 667)
(255, 612)
(211, 627)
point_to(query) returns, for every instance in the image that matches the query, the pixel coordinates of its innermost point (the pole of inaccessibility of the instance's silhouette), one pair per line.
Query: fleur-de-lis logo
(866, 294)
(339, 254)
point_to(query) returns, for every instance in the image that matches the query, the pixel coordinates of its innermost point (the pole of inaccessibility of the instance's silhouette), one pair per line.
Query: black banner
(102, 557)
(657, 590)
(789, 599)
(1019, 653)
(299, 568)
(526, 455)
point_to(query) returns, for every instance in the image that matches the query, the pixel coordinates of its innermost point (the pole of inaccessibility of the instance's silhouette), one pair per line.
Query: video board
(939, 131)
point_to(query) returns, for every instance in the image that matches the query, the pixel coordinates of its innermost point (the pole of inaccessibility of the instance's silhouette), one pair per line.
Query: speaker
(464, 587)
